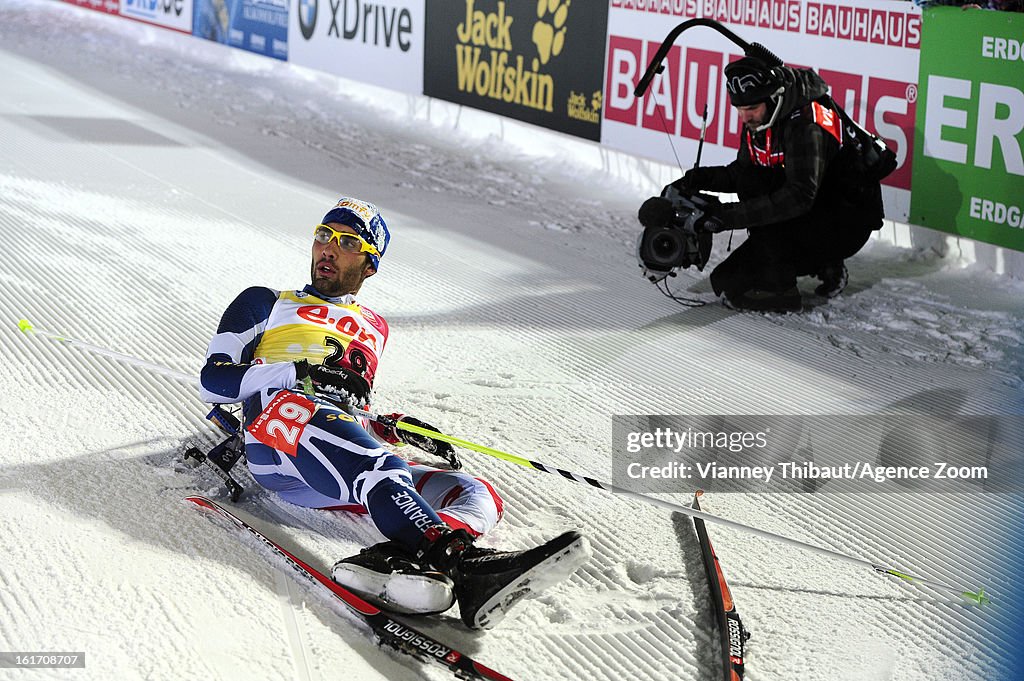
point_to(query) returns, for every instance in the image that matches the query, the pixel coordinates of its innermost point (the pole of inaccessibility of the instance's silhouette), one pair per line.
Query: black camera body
(670, 239)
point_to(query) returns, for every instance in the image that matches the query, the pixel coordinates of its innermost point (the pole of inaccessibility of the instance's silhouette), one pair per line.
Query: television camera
(671, 238)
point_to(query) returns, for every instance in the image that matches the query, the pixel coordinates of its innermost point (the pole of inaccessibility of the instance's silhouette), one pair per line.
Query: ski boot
(388, 577)
(761, 300)
(833, 278)
(488, 583)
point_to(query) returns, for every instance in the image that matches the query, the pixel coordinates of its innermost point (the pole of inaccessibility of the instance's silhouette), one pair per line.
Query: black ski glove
(335, 383)
(428, 444)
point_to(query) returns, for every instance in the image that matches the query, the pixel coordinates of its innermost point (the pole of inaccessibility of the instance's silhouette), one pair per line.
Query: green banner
(968, 168)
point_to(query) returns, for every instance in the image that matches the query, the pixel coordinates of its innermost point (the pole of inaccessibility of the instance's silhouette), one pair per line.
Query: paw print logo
(549, 31)
(596, 100)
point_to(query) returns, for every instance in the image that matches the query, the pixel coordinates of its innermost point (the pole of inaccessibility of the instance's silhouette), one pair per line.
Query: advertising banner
(374, 42)
(106, 6)
(259, 26)
(172, 14)
(969, 153)
(539, 62)
(867, 50)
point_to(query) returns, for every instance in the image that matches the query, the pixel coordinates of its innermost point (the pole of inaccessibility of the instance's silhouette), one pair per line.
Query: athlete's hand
(335, 383)
(428, 444)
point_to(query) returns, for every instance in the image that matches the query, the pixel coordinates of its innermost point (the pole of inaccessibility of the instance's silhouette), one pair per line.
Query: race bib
(280, 425)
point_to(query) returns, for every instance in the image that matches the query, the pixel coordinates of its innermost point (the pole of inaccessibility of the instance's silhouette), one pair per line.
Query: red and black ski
(730, 627)
(388, 630)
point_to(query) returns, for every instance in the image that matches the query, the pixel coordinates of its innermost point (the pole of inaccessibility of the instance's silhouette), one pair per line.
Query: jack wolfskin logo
(582, 110)
(489, 64)
(549, 31)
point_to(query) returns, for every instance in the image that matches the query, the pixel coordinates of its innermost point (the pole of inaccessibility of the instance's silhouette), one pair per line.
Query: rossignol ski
(730, 628)
(388, 630)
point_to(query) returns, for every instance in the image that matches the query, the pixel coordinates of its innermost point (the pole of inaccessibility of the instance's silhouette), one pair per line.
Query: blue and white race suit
(307, 449)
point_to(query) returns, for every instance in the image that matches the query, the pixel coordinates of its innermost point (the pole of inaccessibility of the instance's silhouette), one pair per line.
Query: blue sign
(259, 26)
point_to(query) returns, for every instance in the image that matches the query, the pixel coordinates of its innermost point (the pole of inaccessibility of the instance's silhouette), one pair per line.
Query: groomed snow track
(147, 178)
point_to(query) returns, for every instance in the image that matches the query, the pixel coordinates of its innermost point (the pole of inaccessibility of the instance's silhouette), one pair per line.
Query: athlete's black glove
(335, 383)
(427, 444)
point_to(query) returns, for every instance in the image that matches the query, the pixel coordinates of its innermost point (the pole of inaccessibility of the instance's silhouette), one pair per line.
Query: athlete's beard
(343, 281)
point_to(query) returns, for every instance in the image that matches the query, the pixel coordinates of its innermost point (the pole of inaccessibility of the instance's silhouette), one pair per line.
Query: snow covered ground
(146, 178)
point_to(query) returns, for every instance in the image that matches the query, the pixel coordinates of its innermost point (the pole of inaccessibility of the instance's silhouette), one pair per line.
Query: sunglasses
(350, 243)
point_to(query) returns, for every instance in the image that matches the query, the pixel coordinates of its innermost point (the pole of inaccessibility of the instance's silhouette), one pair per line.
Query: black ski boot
(489, 583)
(387, 576)
(760, 300)
(833, 276)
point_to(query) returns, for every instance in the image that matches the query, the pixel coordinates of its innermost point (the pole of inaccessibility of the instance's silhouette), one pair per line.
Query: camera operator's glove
(335, 383)
(429, 445)
(711, 221)
(693, 180)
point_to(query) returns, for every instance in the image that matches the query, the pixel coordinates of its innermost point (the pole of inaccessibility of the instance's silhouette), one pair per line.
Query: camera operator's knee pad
(760, 262)
(727, 278)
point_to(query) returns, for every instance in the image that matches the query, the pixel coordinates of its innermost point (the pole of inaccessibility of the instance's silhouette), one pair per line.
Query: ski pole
(27, 328)
(979, 597)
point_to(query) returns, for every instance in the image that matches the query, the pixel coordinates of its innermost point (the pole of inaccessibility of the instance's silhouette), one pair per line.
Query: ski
(730, 628)
(387, 630)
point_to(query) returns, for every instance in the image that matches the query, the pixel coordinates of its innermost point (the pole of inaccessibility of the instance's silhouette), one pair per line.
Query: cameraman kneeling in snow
(804, 204)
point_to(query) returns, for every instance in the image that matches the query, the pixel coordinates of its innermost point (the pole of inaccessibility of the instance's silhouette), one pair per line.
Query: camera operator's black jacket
(789, 170)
